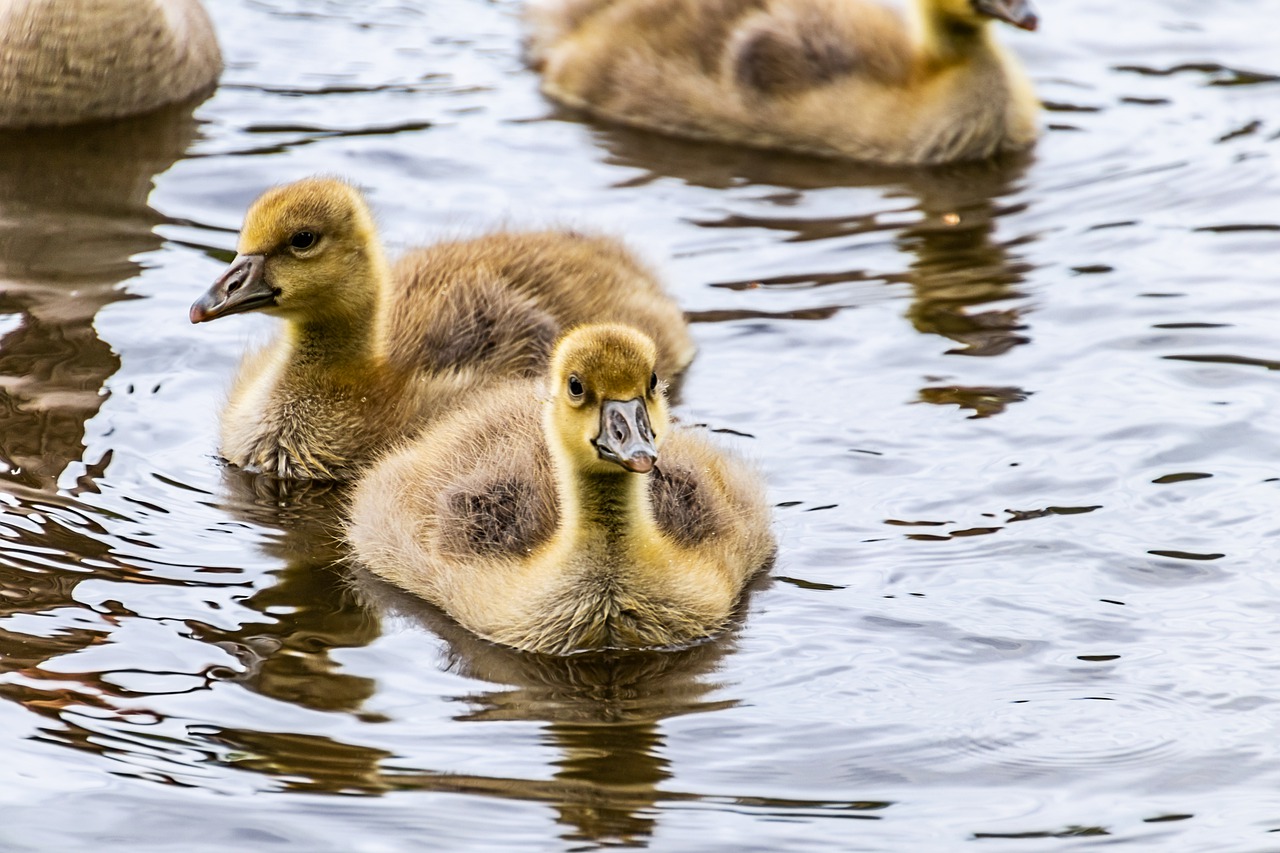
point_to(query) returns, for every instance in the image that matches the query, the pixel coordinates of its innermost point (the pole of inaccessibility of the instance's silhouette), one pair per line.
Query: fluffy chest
(306, 425)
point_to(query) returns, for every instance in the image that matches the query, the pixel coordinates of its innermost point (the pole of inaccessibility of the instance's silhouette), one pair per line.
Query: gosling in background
(369, 352)
(841, 78)
(569, 514)
(71, 61)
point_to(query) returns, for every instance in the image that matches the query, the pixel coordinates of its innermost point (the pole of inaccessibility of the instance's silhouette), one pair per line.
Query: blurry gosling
(368, 352)
(71, 61)
(569, 514)
(840, 78)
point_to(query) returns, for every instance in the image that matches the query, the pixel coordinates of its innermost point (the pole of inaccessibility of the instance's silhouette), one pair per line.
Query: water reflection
(73, 216)
(33, 538)
(601, 711)
(309, 610)
(53, 545)
(958, 267)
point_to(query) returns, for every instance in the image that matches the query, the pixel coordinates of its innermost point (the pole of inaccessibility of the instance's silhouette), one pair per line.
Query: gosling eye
(653, 382)
(575, 386)
(303, 240)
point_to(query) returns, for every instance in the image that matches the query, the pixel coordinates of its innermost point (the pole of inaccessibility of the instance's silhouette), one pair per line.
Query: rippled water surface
(1020, 422)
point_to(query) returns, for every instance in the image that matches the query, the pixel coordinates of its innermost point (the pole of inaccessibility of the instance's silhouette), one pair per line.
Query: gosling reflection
(73, 215)
(601, 710)
(51, 375)
(957, 265)
(309, 610)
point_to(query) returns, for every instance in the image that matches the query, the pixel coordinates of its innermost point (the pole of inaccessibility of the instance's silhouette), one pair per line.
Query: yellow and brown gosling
(568, 514)
(840, 78)
(71, 61)
(368, 352)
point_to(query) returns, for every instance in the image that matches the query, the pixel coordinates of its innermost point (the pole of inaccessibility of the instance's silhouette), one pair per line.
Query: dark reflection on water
(73, 215)
(51, 547)
(601, 712)
(309, 610)
(960, 266)
(957, 264)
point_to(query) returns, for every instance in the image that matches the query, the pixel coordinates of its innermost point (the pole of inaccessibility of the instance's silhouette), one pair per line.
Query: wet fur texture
(844, 78)
(368, 354)
(70, 61)
(475, 517)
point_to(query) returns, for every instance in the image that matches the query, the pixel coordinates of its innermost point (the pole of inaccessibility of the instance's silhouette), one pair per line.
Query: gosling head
(607, 407)
(305, 251)
(1017, 12)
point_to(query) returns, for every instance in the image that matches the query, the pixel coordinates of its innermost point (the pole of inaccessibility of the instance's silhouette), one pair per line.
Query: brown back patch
(680, 507)
(777, 57)
(489, 329)
(505, 517)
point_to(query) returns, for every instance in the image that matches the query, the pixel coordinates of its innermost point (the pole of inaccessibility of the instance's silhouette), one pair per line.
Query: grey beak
(242, 287)
(626, 438)
(1016, 12)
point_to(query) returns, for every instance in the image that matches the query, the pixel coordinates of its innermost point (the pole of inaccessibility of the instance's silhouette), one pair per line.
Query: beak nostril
(240, 288)
(625, 436)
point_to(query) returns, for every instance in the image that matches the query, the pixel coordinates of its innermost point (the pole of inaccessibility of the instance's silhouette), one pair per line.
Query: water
(1018, 419)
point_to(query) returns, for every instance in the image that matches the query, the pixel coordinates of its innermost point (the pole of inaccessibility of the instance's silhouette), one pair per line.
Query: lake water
(1019, 420)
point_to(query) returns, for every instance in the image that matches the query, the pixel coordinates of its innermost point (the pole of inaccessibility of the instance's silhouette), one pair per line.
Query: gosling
(66, 62)
(569, 514)
(838, 78)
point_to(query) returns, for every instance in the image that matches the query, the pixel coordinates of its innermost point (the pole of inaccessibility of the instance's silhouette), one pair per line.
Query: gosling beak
(1016, 12)
(243, 287)
(625, 435)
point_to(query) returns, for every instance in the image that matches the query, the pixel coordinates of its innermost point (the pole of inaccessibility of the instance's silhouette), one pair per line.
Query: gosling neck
(944, 38)
(597, 506)
(352, 334)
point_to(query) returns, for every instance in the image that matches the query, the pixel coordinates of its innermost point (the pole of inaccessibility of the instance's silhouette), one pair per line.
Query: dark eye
(653, 382)
(302, 240)
(575, 386)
